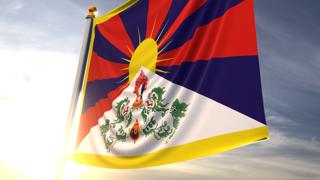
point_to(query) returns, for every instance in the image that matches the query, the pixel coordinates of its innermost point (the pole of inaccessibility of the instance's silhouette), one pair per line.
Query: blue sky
(39, 46)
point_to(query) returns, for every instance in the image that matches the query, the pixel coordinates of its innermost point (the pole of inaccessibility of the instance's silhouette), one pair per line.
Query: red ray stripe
(90, 118)
(115, 32)
(231, 35)
(104, 69)
(188, 10)
(156, 15)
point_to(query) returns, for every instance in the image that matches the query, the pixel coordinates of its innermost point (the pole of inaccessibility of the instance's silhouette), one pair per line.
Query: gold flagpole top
(92, 11)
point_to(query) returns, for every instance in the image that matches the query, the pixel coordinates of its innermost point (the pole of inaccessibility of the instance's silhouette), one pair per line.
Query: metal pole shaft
(80, 72)
(78, 84)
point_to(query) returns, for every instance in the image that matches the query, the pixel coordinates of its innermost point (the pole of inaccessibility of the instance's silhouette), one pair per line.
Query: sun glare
(34, 98)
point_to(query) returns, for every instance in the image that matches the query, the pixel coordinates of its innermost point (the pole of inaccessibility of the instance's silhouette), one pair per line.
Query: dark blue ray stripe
(106, 50)
(233, 81)
(99, 89)
(134, 17)
(211, 10)
(173, 13)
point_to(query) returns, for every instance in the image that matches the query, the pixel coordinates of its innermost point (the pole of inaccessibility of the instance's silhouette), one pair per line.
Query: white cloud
(274, 118)
(279, 120)
(13, 7)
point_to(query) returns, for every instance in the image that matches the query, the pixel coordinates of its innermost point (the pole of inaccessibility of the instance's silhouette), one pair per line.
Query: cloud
(280, 120)
(13, 7)
(289, 60)
(45, 25)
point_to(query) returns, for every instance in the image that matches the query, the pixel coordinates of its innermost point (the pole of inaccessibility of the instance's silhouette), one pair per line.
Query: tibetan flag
(169, 81)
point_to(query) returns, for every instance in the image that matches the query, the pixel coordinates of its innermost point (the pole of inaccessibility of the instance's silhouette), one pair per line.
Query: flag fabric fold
(168, 81)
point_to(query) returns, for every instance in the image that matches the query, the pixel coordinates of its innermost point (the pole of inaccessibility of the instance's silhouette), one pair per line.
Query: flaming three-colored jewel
(140, 87)
(135, 131)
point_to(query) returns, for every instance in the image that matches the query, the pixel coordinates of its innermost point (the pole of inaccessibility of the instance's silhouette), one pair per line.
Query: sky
(40, 44)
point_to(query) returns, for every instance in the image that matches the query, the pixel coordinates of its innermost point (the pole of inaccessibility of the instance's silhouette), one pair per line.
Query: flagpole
(92, 11)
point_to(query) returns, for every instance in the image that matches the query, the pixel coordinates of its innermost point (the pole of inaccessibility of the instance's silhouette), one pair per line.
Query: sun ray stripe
(100, 68)
(172, 14)
(162, 71)
(185, 27)
(163, 40)
(124, 86)
(133, 17)
(120, 39)
(139, 35)
(163, 60)
(103, 47)
(189, 7)
(125, 59)
(123, 69)
(155, 21)
(131, 52)
(156, 16)
(127, 77)
(159, 53)
(223, 37)
(159, 36)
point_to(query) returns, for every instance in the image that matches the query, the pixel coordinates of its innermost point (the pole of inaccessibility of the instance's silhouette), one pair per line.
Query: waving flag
(170, 80)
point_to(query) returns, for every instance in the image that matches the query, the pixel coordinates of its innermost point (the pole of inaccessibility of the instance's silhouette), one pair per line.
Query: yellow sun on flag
(146, 55)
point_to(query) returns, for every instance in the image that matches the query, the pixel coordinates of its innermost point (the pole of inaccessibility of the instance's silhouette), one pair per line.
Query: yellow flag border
(197, 149)
(96, 21)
